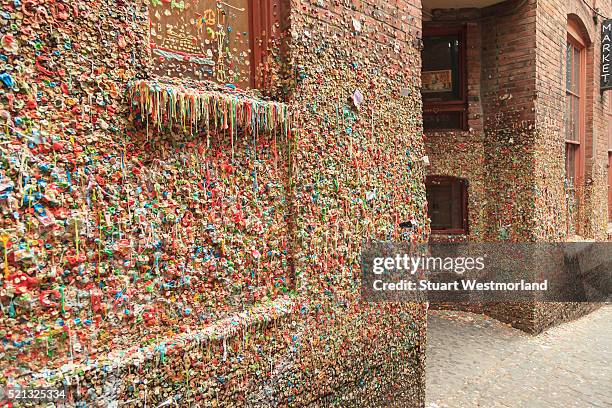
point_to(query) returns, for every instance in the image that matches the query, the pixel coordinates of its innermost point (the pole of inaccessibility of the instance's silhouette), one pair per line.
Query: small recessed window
(443, 120)
(447, 204)
(443, 84)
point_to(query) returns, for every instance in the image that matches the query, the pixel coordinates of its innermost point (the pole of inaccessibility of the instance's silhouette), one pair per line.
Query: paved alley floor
(476, 361)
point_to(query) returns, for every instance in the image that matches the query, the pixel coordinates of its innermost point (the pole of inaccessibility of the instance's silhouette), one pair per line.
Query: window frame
(609, 154)
(575, 38)
(453, 106)
(610, 184)
(262, 19)
(455, 182)
(264, 15)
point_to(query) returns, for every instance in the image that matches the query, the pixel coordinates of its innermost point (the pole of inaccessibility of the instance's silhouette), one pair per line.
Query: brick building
(520, 143)
(171, 239)
(185, 185)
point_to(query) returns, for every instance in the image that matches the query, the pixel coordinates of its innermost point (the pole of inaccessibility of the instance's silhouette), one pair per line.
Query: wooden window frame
(462, 184)
(575, 38)
(610, 184)
(264, 15)
(459, 105)
(609, 176)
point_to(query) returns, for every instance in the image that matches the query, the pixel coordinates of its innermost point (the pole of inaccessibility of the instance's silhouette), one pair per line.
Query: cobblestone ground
(475, 361)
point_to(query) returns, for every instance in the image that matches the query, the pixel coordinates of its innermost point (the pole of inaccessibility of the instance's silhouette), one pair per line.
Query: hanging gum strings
(166, 105)
(5, 239)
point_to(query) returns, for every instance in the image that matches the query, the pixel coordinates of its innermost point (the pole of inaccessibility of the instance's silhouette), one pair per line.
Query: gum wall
(178, 242)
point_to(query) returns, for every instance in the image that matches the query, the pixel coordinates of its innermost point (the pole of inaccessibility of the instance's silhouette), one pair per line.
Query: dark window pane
(445, 202)
(442, 120)
(440, 208)
(440, 76)
(571, 153)
(575, 118)
(610, 174)
(577, 73)
(568, 67)
(568, 117)
(610, 187)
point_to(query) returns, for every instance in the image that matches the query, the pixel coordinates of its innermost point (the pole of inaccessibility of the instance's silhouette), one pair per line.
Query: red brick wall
(555, 217)
(356, 173)
(515, 162)
(491, 155)
(508, 82)
(344, 156)
(460, 153)
(552, 20)
(514, 153)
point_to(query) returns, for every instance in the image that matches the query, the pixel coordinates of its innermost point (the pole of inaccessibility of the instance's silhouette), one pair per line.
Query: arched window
(575, 116)
(447, 204)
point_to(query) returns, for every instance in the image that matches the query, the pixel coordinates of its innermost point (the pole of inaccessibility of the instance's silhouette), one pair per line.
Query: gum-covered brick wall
(586, 215)
(460, 153)
(558, 216)
(173, 242)
(508, 86)
(495, 154)
(359, 174)
(119, 235)
(513, 154)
